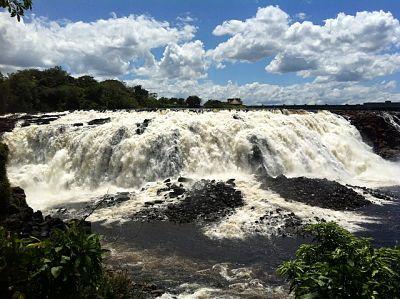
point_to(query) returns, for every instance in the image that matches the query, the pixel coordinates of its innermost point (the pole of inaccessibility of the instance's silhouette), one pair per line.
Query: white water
(59, 162)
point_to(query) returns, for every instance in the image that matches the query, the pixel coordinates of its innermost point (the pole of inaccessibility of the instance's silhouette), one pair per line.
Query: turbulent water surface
(72, 161)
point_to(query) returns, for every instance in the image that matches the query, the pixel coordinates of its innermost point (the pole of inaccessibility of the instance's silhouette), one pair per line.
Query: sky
(265, 52)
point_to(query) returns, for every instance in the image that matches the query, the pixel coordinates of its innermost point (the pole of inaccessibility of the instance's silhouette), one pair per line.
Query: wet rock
(77, 124)
(141, 127)
(119, 135)
(44, 119)
(99, 121)
(184, 180)
(110, 200)
(326, 194)
(231, 182)
(176, 191)
(378, 129)
(206, 201)
(7, 124)
(25, 222)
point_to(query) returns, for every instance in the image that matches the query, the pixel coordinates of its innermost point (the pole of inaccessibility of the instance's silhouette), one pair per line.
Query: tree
(115, 95)
(193, 102)
(214, 104)
(141, 94)
(16, 7)
(338, 264)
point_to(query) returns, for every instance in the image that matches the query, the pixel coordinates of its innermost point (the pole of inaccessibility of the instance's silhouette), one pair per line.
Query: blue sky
(362, 66)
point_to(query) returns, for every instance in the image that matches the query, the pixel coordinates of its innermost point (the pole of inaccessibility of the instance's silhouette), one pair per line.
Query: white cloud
(254, 38)
(346, 48)
(343, 49)
(301, 16)
(108, 47)
(258, 93)
(186, 18)
(186, 61)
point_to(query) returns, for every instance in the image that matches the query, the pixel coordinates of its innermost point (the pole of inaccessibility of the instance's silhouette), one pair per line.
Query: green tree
(3, 94)
(16, 7)
(215, 104)
(115, 95)
(21, 91)
(193, 102)
(340, 265)
(141, 95)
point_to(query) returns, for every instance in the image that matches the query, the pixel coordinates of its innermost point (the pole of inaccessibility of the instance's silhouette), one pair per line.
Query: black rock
(141, 127)
(207, 201)
(184, 180)
(99, 121)
(231, 182)
(315, 192)
(378, 129)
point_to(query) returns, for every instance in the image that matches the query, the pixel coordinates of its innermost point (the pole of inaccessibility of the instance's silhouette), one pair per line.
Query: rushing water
(69, 161)
(57, 157)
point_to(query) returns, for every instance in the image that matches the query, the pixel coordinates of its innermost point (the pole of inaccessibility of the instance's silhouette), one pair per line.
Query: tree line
(53, 89)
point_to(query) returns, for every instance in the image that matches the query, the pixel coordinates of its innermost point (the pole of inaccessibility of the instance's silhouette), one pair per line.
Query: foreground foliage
(16, 8)
(340, 265)
(67, 265)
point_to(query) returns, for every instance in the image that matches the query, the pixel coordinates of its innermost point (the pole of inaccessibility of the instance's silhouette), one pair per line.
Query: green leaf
(309, 296)
(65, 259)
(56, 271)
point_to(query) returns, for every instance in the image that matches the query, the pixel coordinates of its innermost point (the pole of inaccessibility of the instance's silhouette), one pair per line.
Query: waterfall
(134, 148)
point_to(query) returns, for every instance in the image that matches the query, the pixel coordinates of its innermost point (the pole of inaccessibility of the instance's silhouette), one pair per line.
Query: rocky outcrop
(99, 121)
(21, 218)
(7, 124)
(44, 119)
(141, 127)
(315, 192)
(206, 201)
(381, 130)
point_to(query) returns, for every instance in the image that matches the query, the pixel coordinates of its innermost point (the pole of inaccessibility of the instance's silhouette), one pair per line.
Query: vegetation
(16, 7)
(54, 89)
(340, 265)
(67, 265)
(193, 102)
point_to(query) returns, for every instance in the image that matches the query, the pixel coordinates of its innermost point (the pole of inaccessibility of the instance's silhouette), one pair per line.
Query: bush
(339, 265)
(67, 265)
(71, 261)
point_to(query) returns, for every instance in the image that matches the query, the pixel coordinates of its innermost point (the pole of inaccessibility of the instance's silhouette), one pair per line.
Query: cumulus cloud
(254, 38)
(346, 48)
(342, 50)
(258, 93)
(110, 47)
(186, 61)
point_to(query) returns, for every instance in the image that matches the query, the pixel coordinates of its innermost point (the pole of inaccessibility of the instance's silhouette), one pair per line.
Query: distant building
(235, 101)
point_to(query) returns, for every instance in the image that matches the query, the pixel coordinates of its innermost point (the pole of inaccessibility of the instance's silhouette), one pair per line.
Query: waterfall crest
(137, 147)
